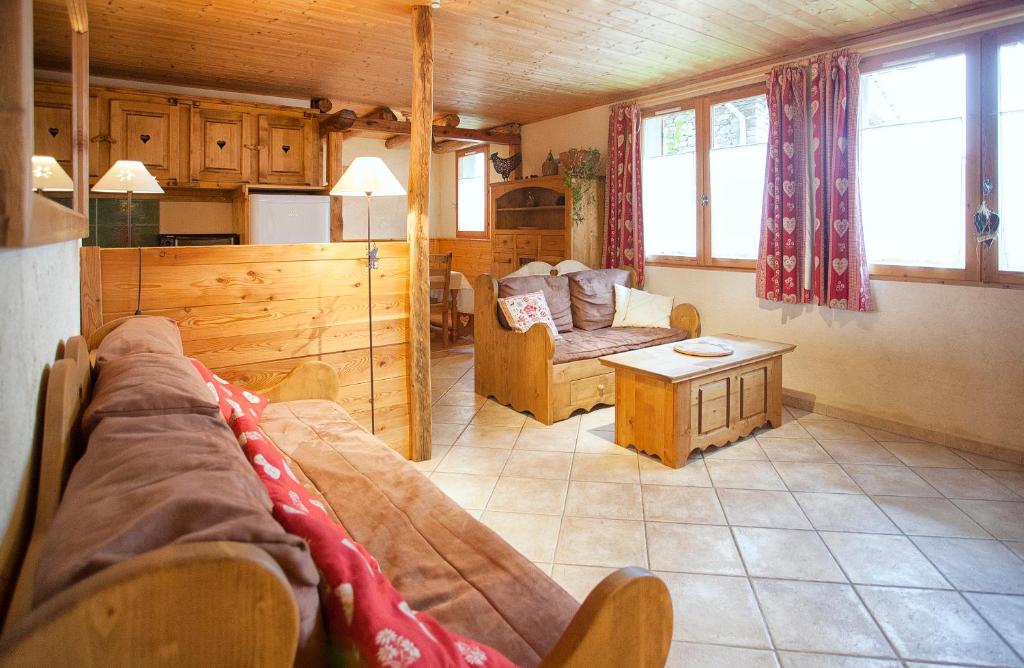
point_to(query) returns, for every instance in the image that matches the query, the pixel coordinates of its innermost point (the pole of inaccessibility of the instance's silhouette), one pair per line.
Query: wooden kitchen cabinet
(287, 150)
(147, 132)
(52, 127)
(221, 145)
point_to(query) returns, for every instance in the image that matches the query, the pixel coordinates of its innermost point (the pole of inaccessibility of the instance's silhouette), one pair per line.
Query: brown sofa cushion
(442, 560)
(144, 334)
(582, 345)
(556, 294)
(148, 482)
(148, 384)
(593, 297)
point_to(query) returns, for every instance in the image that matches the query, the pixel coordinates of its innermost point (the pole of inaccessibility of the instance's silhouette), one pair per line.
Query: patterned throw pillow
(524, 311)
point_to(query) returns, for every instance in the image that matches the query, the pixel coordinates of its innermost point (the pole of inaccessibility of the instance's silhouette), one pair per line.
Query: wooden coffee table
(669, 404)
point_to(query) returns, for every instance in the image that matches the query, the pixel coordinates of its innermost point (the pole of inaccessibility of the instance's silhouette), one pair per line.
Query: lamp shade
(367, 176)
(47, 174)
(127, 176)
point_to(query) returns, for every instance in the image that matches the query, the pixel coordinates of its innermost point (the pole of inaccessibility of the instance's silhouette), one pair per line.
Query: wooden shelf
(552, 207)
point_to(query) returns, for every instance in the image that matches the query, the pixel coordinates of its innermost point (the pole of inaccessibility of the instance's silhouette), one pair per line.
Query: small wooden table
(669, 404)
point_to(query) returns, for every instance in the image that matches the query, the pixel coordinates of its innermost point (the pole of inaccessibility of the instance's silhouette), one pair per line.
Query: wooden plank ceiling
(496, 61)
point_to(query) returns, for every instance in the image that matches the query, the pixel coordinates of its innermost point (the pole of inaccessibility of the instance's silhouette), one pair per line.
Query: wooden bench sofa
(228, 603)
(527, 370)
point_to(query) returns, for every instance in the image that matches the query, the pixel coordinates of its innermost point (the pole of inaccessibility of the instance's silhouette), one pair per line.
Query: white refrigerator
(289, 219)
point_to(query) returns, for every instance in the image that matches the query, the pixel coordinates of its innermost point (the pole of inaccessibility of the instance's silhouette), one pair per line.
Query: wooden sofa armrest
(193, 604)
(309, 380)
(625, 621)
(686, 316)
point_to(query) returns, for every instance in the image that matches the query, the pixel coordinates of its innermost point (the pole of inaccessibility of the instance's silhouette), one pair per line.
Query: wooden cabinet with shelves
(533, 220)
(147, 132)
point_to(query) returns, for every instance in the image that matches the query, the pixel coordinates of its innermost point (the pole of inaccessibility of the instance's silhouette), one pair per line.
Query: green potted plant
(581, 167)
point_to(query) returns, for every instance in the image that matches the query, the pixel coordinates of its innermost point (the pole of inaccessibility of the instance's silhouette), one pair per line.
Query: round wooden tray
(698, 348)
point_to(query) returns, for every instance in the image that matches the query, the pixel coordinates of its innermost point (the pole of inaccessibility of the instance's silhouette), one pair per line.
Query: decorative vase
(550, 166)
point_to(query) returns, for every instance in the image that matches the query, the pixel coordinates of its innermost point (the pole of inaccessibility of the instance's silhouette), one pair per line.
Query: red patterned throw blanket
(368, 621)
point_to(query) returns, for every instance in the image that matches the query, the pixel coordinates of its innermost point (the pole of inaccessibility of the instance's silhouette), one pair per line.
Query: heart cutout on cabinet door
(144, 138)
(286, 148)
(54, 132)
(221, 143)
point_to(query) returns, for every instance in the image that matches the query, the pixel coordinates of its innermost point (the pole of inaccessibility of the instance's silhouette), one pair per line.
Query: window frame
(701, 106)
(486, 233)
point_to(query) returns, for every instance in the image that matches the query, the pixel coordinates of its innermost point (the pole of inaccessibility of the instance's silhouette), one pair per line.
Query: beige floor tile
(931, 625)
(1003, 519)
(976, 565)
(600, 443)
(534, 536)
(715, 609)
(839, 430)
(786, 553)
(548, 441)
(758, 508)
(882, 560)
(1016, 547)
(695, 505)
(889, 480)
(475, 512)
(966, 484)
(692, 548)
(579, 580)
(988, 463)
(790, 429)
(610, 500)
(746, 450)
(469, 491)
(883, 436)
(1012, 479)
(808, 477)
(600, 419)
(929, 517)
(444, 434)
(569, 424)
(1005, 613)
(477, 436)
(799, 413)
(496, 415)
(844, 512)
(793, 449)
(461, 398)
(528, 495)
(437, 453)
(693, 474)
(807, 660)
(744, 475)
(927, 454)
(543, 567)
(697, 655)
(858, 452)
(481, 461)
(529, 464)
(819, 617)
(605, 468)
(453, 414)
(598, 542)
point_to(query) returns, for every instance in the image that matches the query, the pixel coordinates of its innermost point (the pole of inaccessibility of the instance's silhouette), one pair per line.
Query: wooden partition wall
(472, 257)
(252, 313)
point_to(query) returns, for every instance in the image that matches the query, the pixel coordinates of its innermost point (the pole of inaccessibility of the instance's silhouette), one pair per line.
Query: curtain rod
(927, 30)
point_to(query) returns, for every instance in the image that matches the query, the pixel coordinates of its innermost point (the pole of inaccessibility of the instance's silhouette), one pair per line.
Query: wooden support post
(79, 106)
(335, 168)
(92, 289)
(418, 231)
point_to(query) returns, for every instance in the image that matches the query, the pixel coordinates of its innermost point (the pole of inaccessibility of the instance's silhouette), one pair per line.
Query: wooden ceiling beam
(346, 119)
(448, 120)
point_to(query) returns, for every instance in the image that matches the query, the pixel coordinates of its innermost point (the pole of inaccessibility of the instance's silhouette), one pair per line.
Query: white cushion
(636, 308)
(536, 268)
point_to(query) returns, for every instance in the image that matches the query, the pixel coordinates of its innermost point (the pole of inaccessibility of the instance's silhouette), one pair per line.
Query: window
(913, 145)
(703, 179)
(1011, 156)
(471, 192)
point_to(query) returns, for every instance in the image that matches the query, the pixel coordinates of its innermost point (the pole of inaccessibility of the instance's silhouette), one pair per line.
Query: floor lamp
(368, 177)
(127, 177)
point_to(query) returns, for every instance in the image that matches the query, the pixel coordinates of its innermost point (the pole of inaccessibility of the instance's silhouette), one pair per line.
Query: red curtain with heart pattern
(624, 230)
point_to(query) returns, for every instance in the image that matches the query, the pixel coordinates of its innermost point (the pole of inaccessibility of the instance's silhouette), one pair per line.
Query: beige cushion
(636, 308)
(556, 294)
(592, 296)
(582, 345)
(143, 334)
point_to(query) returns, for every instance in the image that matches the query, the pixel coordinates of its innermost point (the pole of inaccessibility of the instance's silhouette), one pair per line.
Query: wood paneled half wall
(252, 313)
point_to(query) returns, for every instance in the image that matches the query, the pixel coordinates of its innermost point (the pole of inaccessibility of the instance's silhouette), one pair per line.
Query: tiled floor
(820, 543)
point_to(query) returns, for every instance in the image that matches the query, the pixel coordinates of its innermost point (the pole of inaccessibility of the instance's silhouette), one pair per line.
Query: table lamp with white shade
(129, 177)
(368, 177)
(49, 176)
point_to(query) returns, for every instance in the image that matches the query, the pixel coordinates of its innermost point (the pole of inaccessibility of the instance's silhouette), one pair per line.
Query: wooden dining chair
(441, 294)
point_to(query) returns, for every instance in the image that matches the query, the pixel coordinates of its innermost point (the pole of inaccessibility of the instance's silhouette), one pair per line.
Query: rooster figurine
(505, 166)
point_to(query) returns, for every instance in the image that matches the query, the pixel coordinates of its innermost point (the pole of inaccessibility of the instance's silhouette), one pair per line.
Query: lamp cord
(369, 310)
(138, 281)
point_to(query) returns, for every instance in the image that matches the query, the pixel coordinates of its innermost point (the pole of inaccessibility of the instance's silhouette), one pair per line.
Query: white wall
(939, 357)
(39, 307)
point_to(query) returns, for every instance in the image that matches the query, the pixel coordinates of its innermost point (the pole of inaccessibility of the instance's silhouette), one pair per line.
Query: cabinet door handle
(255, 147)
(102, 138)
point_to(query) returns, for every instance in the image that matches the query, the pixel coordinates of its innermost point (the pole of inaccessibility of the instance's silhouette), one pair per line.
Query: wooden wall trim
(418, 232)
